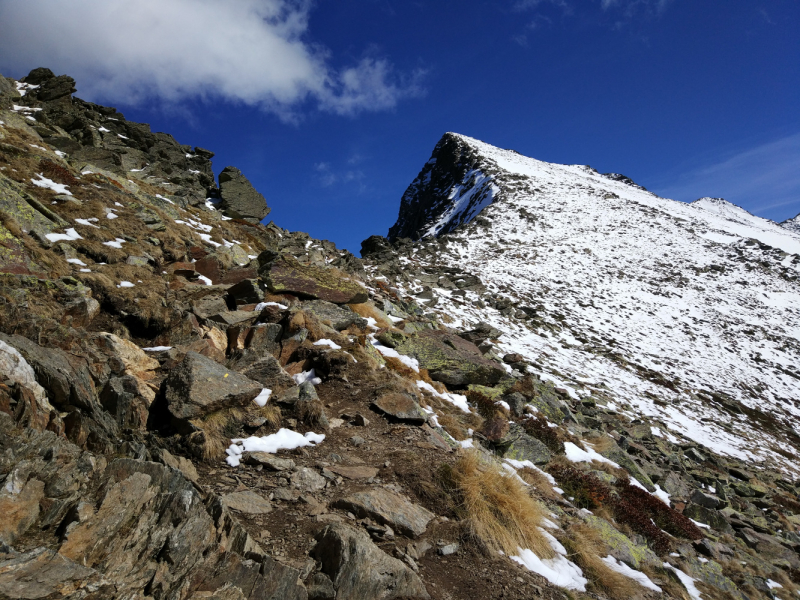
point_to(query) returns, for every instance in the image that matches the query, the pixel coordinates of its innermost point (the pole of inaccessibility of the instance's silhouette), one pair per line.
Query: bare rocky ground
(113, 459)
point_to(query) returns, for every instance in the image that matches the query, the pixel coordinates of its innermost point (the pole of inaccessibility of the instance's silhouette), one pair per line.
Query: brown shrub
(485, 405)
(539, 428)
(586, 489)
(57, 173)
(310, 412)
(664, 517)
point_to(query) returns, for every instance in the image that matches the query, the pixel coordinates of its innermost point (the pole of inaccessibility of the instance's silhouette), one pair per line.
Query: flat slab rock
(286, 275)
(401, 407)
(247, 502)
(388, 508)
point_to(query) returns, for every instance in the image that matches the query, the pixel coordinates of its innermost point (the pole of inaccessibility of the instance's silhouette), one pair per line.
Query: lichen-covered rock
(529, 448)
(451, 359)
(337, 317)
(401, 407)
(239, 198)
(620, 546)
(286, 275)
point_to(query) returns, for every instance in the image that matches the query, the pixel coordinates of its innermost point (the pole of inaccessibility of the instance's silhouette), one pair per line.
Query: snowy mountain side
(687, 314)
(792, 224)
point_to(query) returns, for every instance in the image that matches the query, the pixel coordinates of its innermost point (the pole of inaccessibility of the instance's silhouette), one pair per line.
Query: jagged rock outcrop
(239, 198)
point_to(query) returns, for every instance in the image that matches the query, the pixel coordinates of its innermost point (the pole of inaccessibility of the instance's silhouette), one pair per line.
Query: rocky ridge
(156, 354)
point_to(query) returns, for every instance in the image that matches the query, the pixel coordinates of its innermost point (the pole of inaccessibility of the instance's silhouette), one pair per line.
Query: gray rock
(448, 549)
(707, 500)
(675, 486)
(269, 461)
(401, 407)
(516, 402)
(388, 508)
(239, 198)
(320, 587)
(307, 480)
(199, 386)
(329, 313)
(268, 372)
(359, 569)
(529, 448)
(43, 573)
(709, 516)
(247, 502)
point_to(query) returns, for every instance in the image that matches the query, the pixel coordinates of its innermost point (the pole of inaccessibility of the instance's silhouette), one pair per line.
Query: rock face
(199, 386)
(448, 178)
(240, 199)
(359, 569)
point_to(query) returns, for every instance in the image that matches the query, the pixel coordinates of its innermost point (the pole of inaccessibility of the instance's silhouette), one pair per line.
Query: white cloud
(629, 7)
(765, 180)
(250, 51)
(327, 176)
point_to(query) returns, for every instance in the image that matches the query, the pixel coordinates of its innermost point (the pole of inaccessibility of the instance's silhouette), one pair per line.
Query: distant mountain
(686, 313)
(792, 224)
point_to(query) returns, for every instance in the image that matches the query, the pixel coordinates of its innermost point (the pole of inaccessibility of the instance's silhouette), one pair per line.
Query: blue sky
(332, 107)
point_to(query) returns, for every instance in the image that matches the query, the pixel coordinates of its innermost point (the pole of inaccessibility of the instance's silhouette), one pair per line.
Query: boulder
(268, 372)
(529, 448)
(483, 331)
(199, 386)
(359, 569)
(401, 407)
(451, 359)
(240, 199)
(389, 509)
(328, 313)
(43, 573)
(287, 276)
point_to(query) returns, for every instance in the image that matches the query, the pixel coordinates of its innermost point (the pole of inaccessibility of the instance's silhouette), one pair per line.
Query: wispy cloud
(252, 51)
(765, 180)
(328, 176)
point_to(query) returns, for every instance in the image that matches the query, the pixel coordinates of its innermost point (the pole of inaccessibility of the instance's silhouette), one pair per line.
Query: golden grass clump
(310, 412)
(218, 428)
(452, 426)
(496, 508)
(367, 310)
(585, 547)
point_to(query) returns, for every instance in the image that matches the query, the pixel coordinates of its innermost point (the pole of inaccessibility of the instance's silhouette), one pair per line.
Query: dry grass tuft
(452, 426)
(218, 428)
(485, 405)
(272, 413)
(539, 483)
(586, 547)
(367, 310)
(496, 508)
(310, 412)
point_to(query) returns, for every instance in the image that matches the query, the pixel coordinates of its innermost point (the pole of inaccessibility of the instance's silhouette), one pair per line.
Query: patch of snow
(688, 582)
(773, 584)
(117, 243)
(70, 234)
(85, 270)
(408, 361)
(76, 261)
(263, 397)
(44, 182)
(637, 576)
(284, 439)
(126, 284)
(310, 376)
(262, 305)
(326, 342)
(576, 454)
(458, 399)
(157, 348)
(204, 279)
(87, 222)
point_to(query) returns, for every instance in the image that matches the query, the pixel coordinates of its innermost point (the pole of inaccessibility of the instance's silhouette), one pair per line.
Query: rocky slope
(792, 224)
(194, 405)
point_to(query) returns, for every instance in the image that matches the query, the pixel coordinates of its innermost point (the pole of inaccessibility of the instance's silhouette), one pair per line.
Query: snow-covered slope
(687, 313)
(792, 224)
